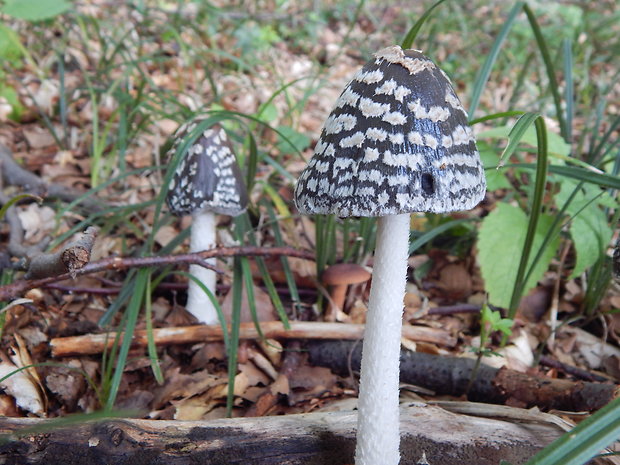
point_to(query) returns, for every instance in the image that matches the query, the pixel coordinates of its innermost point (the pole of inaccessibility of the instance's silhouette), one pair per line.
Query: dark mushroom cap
(396, 142)
(207, 177)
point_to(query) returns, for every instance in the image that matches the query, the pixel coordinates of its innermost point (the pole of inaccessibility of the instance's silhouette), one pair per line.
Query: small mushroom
(207, 181)
(339, 277)
(396, 142)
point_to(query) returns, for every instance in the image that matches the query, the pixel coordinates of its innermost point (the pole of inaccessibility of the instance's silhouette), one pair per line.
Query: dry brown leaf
(253, 374)
(194, 408)
(262, 301)
(165, 234)
(180, 385)
(23, 389)
(37, 221)
(280, 385)
(272, 349)
(38, 137)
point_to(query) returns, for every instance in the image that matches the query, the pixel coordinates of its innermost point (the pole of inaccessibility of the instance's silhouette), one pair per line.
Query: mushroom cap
(207, 178)
(345, 273)
(396, 142)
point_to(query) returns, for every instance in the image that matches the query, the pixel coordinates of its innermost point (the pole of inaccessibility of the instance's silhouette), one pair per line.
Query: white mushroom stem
(378, 437)
(202, 238)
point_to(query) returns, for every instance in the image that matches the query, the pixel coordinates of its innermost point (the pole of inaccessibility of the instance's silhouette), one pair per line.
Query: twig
(452, 309)
(68, 260)
(16, 248)
(13, 174)
(16, 288)
(91, 344)
(571, 370)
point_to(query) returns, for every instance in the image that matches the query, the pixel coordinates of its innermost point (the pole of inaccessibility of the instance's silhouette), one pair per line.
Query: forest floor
(99, 97)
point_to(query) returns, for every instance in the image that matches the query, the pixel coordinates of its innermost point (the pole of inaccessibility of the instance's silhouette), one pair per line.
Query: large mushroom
(396, 142)
(206, 182)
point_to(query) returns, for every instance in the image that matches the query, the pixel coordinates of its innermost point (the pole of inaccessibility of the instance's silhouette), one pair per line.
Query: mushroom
(396, 142)
(207, 181)
(339, 277)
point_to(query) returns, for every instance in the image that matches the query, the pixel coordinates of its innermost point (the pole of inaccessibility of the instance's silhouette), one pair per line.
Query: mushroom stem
(202, 238)
(378, 437)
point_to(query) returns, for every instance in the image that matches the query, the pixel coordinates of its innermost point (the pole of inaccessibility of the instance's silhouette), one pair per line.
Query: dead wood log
(451, 375)
(325, 438)
(90, 344)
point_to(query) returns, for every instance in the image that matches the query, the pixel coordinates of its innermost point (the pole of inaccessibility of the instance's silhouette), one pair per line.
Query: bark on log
(90, 344)
(312, 439)
(451, 375)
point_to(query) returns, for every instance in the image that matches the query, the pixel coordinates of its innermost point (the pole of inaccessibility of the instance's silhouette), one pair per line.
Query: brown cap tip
(345, 273)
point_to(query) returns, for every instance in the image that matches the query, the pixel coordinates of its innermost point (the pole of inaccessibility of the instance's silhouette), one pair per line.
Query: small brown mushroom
(339, 277)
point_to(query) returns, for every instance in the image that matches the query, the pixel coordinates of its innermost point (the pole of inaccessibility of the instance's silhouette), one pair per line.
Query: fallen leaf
(37, 221)
(262, 301)
(22, 388)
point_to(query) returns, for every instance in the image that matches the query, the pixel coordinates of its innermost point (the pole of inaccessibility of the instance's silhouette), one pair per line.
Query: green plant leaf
(415, 29)
(500, 244)
(10, 48)
(291, 141)
(13, 99)
(556, 143)
(589, 228)
(35, 10)
(268, 113)
(496, 179)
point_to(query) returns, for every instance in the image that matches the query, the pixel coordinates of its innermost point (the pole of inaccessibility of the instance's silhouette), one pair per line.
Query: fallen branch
(15, 175)
(71, 258)
(450, 376)
(90, 344)
(15, 289)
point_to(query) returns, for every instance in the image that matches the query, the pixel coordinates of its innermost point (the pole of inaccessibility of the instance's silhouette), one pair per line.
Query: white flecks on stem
(202, 238)
(378, 436)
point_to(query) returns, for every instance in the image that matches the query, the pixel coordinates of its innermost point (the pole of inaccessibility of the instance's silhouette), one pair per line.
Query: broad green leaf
(556, 144)
(297, 141)
(589, 227)
(35, 10)
(496, 179)
(267, 113)
(10, 46)
(500, 244)
(13, 99)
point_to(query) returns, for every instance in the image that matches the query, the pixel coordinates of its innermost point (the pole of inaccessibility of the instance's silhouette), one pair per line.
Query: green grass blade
(433, 233)
(265, 276)
(544, 51)
(252, 162)
(13, 200)
(132, 312)
(415, 29)
(214, 301)
(150, 341)
(237, 290)
(485, 71)
(569, 89)
(279, 241)
(584, 441)
(575, 172)
(596, 153)
(516, 134)
(535, 211)
(127, 290)
(503, 114)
